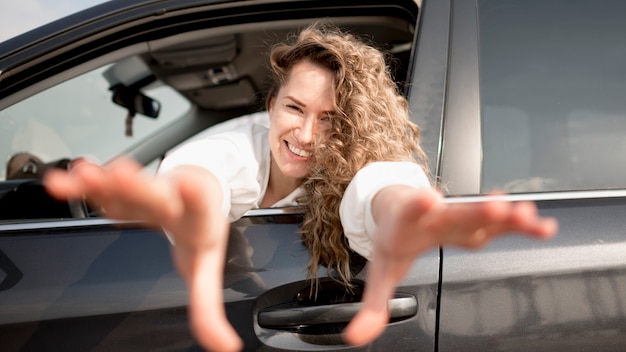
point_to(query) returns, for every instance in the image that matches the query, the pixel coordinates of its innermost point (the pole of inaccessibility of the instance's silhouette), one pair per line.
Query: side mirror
(135, 102)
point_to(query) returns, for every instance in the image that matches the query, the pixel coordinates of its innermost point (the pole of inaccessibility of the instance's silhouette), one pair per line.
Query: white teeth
(298, 152)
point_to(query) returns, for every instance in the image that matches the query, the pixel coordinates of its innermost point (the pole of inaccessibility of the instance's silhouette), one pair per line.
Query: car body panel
(566, 294)
(112, 285)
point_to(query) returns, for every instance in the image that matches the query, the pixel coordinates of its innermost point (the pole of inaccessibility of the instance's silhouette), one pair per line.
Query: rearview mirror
(135, 101)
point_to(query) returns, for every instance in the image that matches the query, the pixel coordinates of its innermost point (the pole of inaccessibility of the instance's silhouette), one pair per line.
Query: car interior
(222, 71)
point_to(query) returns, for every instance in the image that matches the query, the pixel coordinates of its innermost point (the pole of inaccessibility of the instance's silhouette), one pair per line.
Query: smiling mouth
(299, 152)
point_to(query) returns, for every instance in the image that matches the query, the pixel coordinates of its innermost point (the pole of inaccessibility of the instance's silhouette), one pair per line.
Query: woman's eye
(327, 118)
(326, 122)
(294, 107)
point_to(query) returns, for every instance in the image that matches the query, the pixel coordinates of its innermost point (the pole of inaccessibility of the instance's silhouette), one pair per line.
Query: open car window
(78, 118)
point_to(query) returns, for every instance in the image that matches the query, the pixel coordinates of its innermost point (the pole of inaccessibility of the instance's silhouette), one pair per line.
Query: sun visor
(205, 52)
(236, 94)
(127, 72)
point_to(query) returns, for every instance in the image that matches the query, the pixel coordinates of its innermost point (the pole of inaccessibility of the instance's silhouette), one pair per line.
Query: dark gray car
(524, 97)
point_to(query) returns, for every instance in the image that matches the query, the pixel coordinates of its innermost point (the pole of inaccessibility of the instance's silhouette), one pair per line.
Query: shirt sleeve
(356, 205)
(231, 158)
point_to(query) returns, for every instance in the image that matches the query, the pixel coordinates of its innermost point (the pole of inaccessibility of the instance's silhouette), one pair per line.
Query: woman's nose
(307, 129)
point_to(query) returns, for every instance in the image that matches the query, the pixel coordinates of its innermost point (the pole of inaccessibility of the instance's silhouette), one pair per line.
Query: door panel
(565, 294)
(274, 280)
(85, 285)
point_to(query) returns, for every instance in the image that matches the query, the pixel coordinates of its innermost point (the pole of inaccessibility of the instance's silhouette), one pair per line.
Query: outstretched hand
(187, 204)
(412, 221)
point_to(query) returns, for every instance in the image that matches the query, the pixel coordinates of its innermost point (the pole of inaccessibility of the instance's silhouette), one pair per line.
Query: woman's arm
(411, 221)
(187, 203)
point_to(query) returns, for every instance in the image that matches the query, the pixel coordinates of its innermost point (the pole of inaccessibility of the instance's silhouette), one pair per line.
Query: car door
(72, 280)
(534, 108)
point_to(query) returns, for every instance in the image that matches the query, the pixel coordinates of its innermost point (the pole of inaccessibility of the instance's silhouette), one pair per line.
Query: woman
(340, 144)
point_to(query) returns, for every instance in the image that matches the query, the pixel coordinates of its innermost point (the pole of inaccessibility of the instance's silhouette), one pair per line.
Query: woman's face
(299, 115)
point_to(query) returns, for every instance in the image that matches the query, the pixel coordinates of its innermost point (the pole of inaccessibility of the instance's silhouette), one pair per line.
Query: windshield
(22, 16)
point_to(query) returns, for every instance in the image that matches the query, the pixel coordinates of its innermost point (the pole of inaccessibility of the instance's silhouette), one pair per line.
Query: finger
(524, 219)
(366, 326)
(84, 180)
(384, 273)
(521, 219)
(459, 224)
(528, 221)
(371, 320)
(60, 185)
(547, 228)
(139, 196)
(206, 308)
(96, 186)
(121, 164)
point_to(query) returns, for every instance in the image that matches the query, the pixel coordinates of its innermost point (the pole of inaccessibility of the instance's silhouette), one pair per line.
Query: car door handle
(291, 315)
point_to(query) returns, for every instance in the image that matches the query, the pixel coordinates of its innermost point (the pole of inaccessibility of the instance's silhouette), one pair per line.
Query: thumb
(373, 316)
(207, 316)
(368, 324)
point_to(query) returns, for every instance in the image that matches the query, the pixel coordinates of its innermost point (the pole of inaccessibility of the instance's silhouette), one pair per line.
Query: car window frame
(461, 148)
(428, 76)
(460, 163)
(61, 56)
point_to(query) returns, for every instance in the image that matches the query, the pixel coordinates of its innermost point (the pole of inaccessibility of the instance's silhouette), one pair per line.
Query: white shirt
(240, 160)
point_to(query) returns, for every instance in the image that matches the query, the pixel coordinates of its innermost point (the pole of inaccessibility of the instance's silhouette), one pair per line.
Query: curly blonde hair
(372, 124)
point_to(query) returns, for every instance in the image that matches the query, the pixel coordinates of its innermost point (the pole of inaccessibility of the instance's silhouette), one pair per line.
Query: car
(520, 97)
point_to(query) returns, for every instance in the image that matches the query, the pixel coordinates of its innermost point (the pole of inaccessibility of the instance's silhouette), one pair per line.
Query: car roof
(103, 12)
(212, 52)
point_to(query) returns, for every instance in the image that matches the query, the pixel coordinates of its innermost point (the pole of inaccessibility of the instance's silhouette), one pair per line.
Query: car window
(552, 96)
(78, 118)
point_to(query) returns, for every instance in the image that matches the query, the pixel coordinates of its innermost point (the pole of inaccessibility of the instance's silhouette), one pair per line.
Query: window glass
(79, 119)
(553, 102)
